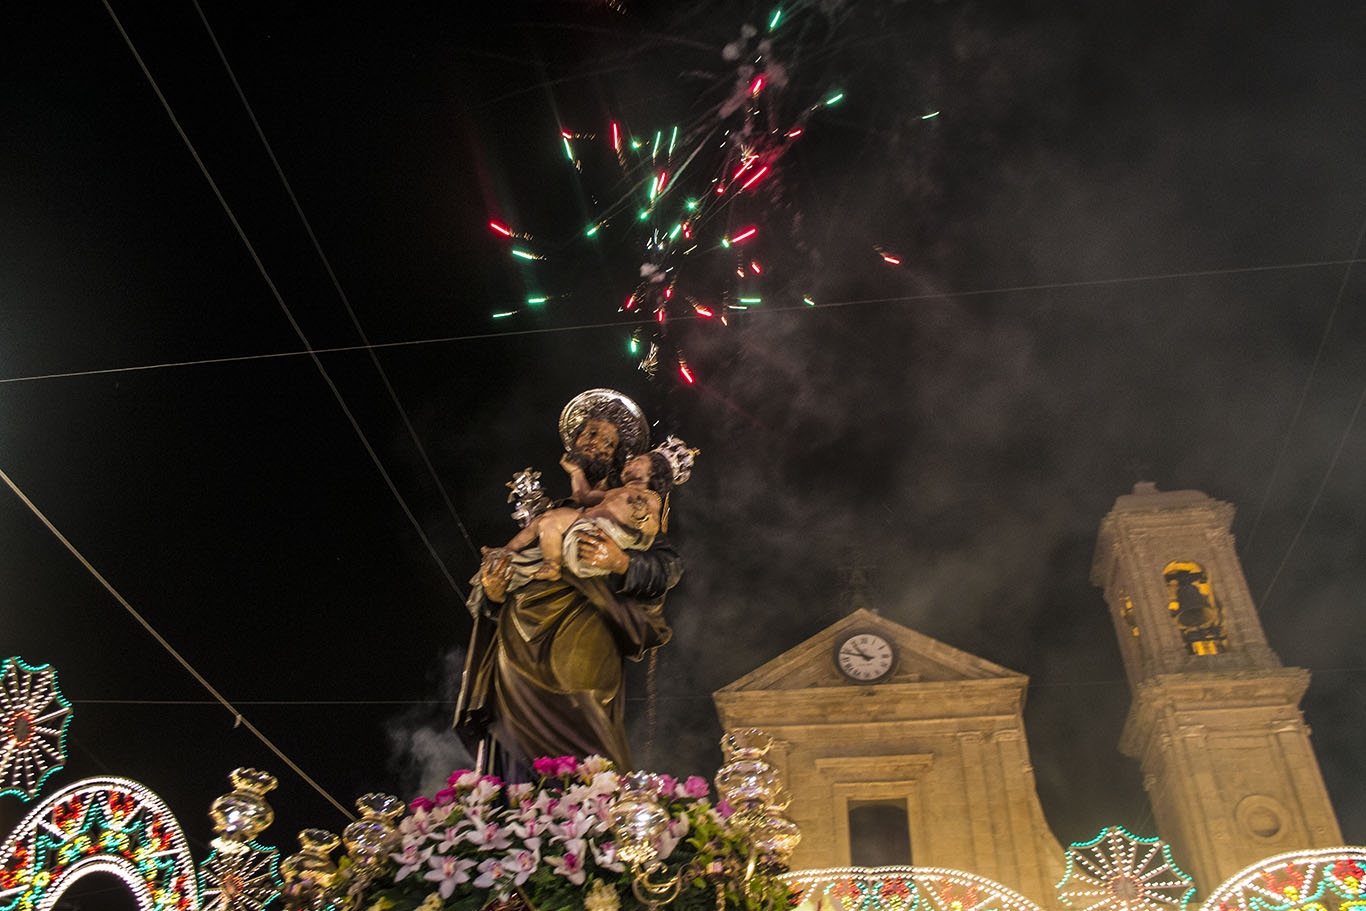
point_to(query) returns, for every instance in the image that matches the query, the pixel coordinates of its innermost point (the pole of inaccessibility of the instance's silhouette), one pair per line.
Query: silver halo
(610, 405)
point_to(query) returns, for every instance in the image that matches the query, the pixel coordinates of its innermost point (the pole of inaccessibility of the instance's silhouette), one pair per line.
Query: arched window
(1194, 608)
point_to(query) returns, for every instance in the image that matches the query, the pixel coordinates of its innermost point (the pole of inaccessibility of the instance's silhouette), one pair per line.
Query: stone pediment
(920, 660)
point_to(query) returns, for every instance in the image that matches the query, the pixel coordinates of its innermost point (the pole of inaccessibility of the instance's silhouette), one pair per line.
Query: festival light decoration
(903, 889)
(246, 880)
(34, 716)
(1298, 879)
(241, 875)
(99, 825)
(1118, 871)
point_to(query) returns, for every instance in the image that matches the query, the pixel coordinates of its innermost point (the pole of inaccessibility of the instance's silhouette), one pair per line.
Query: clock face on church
(865, 657)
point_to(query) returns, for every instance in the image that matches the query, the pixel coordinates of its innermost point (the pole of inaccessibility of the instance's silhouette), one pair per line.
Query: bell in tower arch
(1195, 609)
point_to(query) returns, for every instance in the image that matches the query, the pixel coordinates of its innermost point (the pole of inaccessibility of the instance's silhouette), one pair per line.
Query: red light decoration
(501, 229)
(744, 235)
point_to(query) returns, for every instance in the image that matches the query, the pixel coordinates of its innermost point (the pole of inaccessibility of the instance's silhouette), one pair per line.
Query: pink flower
(420, 803)
(724, 809)
(566, 765)
(666, 785)
(696, 786)
(545, 766)
(445, 796)
(458, 774)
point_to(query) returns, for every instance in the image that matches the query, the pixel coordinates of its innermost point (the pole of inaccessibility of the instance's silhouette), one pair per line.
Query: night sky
(1130, 249)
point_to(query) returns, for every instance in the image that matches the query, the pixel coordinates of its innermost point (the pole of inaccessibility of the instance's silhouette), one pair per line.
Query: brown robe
(548, 679)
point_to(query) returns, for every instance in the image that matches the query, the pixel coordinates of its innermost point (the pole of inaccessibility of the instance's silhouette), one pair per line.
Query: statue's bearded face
(595, 446)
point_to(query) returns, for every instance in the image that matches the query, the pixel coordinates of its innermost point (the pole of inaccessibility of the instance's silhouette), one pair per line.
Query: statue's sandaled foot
(549, 572)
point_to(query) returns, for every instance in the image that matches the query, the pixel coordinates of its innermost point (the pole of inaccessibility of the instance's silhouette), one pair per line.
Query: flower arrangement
(480, 843)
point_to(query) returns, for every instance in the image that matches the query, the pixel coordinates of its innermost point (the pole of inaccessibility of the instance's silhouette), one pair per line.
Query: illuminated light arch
(1310, 880)
(902, 889)
(99, 825)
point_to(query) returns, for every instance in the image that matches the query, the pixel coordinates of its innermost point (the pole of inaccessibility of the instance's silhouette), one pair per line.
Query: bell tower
(1215, 720)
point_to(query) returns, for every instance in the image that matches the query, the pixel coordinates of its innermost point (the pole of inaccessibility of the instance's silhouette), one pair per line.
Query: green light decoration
(1118, 871)
(33, 720)
(99, 825)
(245, 879)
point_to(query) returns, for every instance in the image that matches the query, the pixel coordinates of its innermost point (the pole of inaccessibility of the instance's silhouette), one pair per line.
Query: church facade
(899, 749)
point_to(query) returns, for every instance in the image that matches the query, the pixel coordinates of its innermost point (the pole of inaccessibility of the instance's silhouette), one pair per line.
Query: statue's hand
(494, 573)
(601, 552)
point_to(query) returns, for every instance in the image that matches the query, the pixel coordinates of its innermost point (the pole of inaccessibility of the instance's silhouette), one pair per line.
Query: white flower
(449, 838)
(575, 827)
(674, 832)
(570, 866)
(594, 765)
(489, 872)
(601, 897)
(545, 805)
(410, 858)
(450, 872)
(418, 824)
(484, 791)
(487, 836)
(521, 864)
(605, 856)
(605, 782)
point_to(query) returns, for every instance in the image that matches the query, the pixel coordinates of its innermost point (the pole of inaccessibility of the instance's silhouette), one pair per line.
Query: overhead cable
(279, 299)
(336, 284)
(1304, 391)
(628, 324)
(161, 640)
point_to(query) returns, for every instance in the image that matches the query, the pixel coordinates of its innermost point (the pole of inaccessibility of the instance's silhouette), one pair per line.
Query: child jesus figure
(630, 514)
